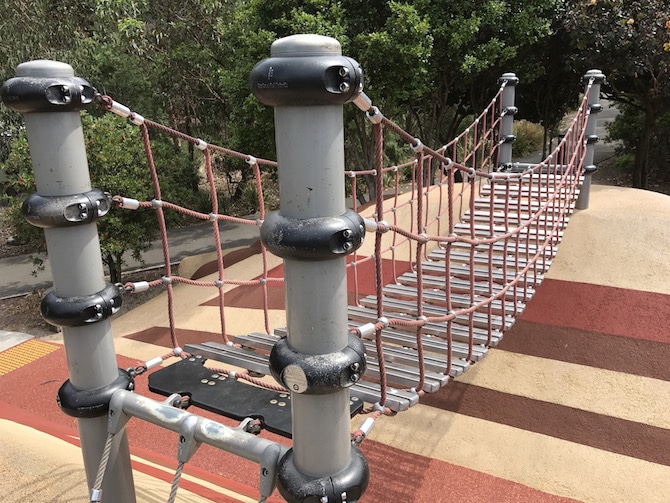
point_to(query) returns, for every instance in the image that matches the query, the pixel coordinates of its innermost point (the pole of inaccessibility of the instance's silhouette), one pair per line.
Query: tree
(117, 164)
(630, 42)
(37, 29)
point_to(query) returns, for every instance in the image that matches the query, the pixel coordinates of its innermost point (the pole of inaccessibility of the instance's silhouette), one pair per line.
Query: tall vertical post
(307, 80)
(591, 137)
(50, 97)
(507, 122)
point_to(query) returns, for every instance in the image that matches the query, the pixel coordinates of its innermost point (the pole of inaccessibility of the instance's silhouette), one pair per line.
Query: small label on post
(294, 379)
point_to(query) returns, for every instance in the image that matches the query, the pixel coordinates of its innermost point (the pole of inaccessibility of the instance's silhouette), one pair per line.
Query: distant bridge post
(307, 81)
(507, 122)
(591, 137)
(50, 97)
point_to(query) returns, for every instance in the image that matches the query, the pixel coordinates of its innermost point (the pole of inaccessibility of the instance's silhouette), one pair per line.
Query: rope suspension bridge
(384, 303)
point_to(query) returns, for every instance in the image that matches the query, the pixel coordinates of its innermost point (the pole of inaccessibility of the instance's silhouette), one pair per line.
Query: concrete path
(603, 150)
(11, 339)
(18, 274)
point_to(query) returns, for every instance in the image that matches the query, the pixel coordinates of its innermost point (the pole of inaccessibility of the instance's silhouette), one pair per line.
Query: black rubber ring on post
(313, 238)
(65, 211)
(89, 403)
(47, 94)
(81, 310)
(346, 486)
(318, 374)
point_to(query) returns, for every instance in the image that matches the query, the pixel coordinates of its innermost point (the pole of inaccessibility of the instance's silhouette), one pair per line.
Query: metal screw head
(355, 367)
(347, 233)
(354, 377)
(347, 246)
(344, 87)
(344, 71)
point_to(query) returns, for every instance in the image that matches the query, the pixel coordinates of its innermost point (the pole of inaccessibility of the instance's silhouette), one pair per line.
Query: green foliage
(627, 128)
(529, 137)
(117, 164)
(630, 42)
(427, 63)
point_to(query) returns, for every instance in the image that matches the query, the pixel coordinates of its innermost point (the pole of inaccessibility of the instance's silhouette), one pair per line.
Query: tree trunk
(114, 263)
(640, 170)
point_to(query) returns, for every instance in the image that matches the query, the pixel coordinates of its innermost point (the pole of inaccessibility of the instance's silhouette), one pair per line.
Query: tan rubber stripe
(619, 241)
(577, 386)
(549, 464)
(621, 354)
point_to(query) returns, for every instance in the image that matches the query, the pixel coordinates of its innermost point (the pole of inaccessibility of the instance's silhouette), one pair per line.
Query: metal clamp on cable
(80, 311)
(47, 94)
(346, 486)
(508, 138)
(65, 211)
(318, 374)
(313, 238)
(94, 402)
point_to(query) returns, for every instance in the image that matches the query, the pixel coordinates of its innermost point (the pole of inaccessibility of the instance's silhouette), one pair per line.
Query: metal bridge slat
(459, 332)
(461, 285)
(439, 297)
(404, 307)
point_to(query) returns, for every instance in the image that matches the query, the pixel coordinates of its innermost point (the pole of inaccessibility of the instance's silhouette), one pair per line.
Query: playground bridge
(456, 256)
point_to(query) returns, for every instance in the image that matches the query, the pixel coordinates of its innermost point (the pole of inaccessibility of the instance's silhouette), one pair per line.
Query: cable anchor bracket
(47, 94)
(82, 310)
(319, 238)
(66, 211)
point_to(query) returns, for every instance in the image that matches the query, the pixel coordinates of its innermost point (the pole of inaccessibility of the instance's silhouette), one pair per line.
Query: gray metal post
(590, 135)
(507, 122)
(307, 81)
(49, 96)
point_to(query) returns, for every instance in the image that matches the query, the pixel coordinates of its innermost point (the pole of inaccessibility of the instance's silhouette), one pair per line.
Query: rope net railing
(459, 242)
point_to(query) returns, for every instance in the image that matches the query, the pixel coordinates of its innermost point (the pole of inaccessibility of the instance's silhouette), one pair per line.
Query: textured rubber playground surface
(572, 405)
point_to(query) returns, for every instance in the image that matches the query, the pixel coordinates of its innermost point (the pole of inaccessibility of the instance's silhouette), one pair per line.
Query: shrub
(529, 137)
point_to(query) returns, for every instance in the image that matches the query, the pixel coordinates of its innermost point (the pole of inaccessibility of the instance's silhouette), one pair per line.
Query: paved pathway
(16, 273)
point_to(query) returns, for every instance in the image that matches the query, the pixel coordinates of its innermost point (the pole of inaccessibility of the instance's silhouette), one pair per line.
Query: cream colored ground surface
(616, 394)
(621, 240)
(36, 467)
(539, 461)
